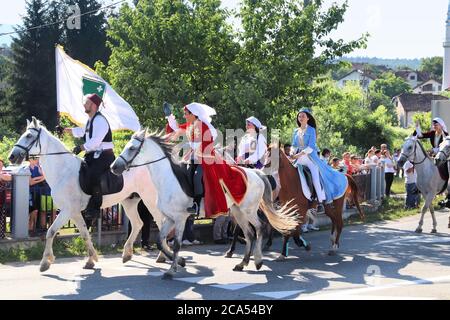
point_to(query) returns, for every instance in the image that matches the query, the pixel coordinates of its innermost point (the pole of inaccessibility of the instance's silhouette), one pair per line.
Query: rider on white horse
(211, 174)
(99, 150)
(436, 135)
(253, 145)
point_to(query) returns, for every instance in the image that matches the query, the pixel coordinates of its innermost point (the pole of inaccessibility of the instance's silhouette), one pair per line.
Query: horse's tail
(285, 219)
(354, 193)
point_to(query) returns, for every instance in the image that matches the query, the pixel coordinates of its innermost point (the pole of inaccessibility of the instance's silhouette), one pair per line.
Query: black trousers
(389, 178)
(196, 173)
(96, 167)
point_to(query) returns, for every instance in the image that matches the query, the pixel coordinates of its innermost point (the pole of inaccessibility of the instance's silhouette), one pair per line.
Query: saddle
(109, 182)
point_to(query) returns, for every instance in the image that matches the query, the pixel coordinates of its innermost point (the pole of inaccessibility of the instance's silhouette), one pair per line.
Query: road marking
(351, 292)
(192, 279)
(278, 294)
(232, 286)
(422, 239)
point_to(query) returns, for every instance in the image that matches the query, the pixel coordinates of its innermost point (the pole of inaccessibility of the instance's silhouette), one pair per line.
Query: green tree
(390, 85)
(433, 65)
(183, 51)
(32, 74)
(169, 51)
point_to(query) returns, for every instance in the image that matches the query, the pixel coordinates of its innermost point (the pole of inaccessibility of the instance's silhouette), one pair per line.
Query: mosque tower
(446, 71)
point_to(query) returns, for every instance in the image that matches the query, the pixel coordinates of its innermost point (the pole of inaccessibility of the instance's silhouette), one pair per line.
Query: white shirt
(410, 177)
(100, 128)
(249, 145)
(388, 161)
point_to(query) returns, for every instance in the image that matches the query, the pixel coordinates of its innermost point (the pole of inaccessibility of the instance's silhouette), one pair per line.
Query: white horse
(154, 152)
(444, 156)
(61, 171)
(429, 181)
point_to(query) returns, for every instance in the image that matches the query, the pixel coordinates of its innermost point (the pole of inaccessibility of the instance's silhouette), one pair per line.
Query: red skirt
(218, 179)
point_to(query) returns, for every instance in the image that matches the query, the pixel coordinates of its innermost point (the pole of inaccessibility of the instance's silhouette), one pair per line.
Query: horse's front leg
(48, 258)
(84, 233)
(230, 251)
(179, 230)
(426, 205)
(130, 206)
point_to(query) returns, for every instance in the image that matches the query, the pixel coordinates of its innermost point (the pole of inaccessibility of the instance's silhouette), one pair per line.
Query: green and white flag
(74, 80)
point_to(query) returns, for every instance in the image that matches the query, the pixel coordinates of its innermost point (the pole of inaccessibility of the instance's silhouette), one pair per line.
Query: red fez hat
(95, 99)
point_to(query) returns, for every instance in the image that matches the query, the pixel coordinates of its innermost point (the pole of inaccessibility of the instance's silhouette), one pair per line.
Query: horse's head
(28, 143)
(444, 152)
(408, 151)
(130, 153)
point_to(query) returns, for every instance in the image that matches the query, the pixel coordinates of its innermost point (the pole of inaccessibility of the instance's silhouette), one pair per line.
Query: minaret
(446, 71)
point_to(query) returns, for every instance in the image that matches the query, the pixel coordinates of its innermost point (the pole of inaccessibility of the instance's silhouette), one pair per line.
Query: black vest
(108, 136)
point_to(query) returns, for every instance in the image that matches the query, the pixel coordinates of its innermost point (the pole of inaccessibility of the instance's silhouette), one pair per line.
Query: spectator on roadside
(220, 229)
(346, 162)
(399, 172)
(354, 162)
(335, 164)
(4, 176)
(325, 155)
(36, 178)
(412, 193)
(377, 157)
(369, 161)
(389, 170)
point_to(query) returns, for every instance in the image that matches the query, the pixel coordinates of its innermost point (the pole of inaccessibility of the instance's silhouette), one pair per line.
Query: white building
(430, 86)
(357, 76)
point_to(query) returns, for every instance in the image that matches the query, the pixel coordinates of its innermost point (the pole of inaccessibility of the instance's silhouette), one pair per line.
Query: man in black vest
(99, 150)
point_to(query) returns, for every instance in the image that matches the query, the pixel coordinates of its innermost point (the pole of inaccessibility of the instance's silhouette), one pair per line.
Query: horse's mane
(166, 146)
(423, 149)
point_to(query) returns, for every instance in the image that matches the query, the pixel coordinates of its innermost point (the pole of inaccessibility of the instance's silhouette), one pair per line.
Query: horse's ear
(35, 121)
(28, 123)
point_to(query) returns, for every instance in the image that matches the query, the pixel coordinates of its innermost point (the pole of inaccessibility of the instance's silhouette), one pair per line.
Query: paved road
(378, 261)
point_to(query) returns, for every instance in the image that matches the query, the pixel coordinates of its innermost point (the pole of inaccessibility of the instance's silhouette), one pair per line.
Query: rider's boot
(195, 208)
(92, 210)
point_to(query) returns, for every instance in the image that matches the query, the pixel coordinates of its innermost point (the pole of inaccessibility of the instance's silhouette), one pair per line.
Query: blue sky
(398, 28)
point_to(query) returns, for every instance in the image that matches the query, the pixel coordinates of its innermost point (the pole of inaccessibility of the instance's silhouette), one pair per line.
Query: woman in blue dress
(329, 184)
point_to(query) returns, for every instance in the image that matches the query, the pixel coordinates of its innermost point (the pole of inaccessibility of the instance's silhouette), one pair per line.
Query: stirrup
(193, 209)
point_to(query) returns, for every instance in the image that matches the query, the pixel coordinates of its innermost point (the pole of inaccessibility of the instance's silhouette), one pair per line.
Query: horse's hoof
(238, 267)
(418, 230)
(258, 265)
(308, 247)
(160, 258)
(167, 276)
(434, 231)
(229, 255)
(44, 266)
(89, 265)
(280, 258)
(126, 258)
(182, 262)
(331, 253)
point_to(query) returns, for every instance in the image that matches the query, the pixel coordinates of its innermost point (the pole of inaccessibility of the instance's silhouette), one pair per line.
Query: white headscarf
(442, 123)
(255, 122)
(204, 113)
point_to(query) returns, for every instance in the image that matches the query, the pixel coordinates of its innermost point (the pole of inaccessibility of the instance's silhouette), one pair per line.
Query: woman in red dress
(212, 176)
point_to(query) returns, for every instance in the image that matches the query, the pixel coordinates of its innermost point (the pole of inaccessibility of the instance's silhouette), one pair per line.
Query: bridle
(37, 141)
(415, 148)
(128, 163)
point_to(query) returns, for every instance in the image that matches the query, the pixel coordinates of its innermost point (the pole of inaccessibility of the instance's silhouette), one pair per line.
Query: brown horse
(291, 190)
